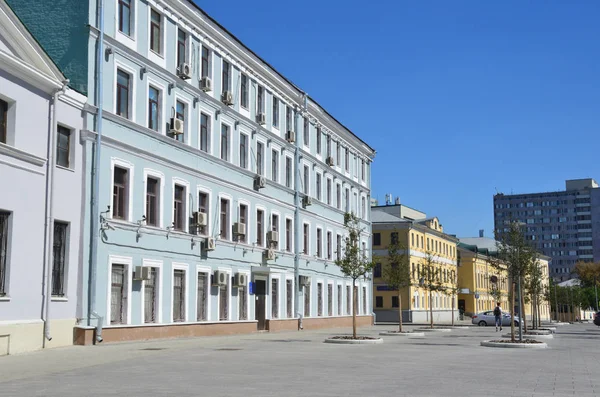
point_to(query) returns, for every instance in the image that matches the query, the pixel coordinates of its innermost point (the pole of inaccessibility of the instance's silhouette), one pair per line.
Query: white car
(487, 318)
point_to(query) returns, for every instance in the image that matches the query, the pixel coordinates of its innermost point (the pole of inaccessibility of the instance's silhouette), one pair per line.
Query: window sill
(152, 52)
(60, 167)
(59, 299)
(4, 298)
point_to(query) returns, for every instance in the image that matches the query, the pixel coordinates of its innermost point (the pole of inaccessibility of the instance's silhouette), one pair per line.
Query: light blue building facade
(222, 186)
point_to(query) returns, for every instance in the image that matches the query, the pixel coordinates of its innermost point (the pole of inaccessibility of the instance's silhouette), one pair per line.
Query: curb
(405, 334)
(487, 343)
(355, 341)
(435, 330)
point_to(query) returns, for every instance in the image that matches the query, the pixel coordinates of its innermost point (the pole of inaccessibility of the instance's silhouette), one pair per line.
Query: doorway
(260, 303)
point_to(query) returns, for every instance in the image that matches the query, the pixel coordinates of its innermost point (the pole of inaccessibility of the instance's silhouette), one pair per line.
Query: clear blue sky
(459, 98)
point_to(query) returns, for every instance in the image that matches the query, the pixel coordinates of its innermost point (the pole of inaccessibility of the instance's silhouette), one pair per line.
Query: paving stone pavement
(299, 364)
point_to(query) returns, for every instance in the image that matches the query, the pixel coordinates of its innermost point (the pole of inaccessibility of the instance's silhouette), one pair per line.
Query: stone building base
(309, 323)
(26, 336)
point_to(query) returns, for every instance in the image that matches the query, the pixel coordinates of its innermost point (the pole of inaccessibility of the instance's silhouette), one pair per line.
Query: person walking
(498, 316)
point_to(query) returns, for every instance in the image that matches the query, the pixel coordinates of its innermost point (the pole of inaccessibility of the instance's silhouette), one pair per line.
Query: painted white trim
(436, 258)
(332, 297)
(274, 276)
(278, 214)
(248, 218)
(262, 208)
(130, 179)
(263, 170)
(129, 41)
(128, 262)
(209, 272)
(247, 292)
(275, 149)
(185, 267)
(187, 130)
(132, 105)
(291, 218)
(159, 59)
(159, 294)
(163, 117)
(306, 251)
(229, 198)
(160, 176)
(229, 139)
(319, 227)
(186, 203)
(229, 295)
(322, 283)
(210, 113)
(209, 207)
(292, 172)
(290, 277)
(248, 135)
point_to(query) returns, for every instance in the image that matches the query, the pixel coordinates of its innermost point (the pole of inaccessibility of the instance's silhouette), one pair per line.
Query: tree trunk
(399, 310)
(430, 309)
(522, 313)
(452, 297)
(354, 300)
(512, 311)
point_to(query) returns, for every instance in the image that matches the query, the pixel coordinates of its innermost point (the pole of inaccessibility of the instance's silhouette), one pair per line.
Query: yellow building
(478, 292)
(421, 238)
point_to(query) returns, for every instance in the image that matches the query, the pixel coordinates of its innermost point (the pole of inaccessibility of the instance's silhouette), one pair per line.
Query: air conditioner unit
(227, 98)
(307, 201)
(210, 244)
(261, 118)
(290, 136)
(141, 273)
(240, 280)
(200, 219)
(206, 84)
(176, 126)
(273, 236)
(220, 278)
(239, 229)
(270, 254)
(330, 161)
(304, 280)
(184, 71)
(260, 182)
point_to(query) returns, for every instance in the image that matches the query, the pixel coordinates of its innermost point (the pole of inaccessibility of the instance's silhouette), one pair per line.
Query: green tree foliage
(396, 273)
(430, 280)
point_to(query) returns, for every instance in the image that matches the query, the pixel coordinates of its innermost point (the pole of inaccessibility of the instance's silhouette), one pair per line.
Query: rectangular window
(63, 145)
(329, 246)
(288, 235)
(260, 155)
(179, 208)
(306, 240)
(243, 303)
(379, 301)
(125, 17)
(319, 299)
(118, 294)
(123, 88)
(155, 32)
(340, 309)
(289, 126)
(328, 146)
(318, 140)
(153, 108)
(318, 187)
(363, 207)
(205, 62)
(4, 218)
(152, 201)
(288, 172)
(338, 196)
(347, 198)
(59, 258)
(376, 239)
(120, 202)
(224, 218)
(328, 191)
(3, 120)
(307, 300)
(394, 237)
(274, 228)
(180, 114)
(202, 297)
(275, 112)
(338, 247)
(224, 142)
(377, 270)
(274, 298)
(224, 302)
(226, 76)
(289, 296)
(204, 131)
(260, 227)
(260, 99)
(244, 220)
(338, 156)
(243, 151)
(319, 243)
(274, 165)
(244, 92)
(306, 132)
(330, 300)
(178, 295)
(362, 170)
(306, 180)
(348, 300)
(181, 47)
(203, 208)
(150, 297)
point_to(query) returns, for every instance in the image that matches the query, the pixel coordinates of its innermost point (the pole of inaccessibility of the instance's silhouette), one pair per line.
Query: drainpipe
(95, 214)
(297, 228)
(49, 221)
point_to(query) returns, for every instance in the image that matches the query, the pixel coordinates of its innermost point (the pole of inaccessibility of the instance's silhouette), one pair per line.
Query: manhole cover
(153, 348)
(228, 349)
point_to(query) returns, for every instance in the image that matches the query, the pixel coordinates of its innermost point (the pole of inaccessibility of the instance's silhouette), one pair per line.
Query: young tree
(535, 289)
(353, 262)
(516, 255)
(396, 273)
(430, 280)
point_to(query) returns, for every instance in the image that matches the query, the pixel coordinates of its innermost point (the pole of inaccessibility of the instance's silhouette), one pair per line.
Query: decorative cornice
(22, 155)
(27, 73)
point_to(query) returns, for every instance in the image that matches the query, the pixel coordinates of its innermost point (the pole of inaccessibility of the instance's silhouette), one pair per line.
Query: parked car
(487, 318)
(597, 319)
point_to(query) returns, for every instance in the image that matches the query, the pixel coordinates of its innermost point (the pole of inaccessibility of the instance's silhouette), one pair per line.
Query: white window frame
(208, 192)
(290, 277)
(327, 178)
(247, 292)
(248, 218)
(322, 282)
(333, 301)
(278, 214)
(323, 237)
(162, 120)
(263, 141)
(181, 266)
(277, 277)
(155, 57)
(186, 217)
(129, 166)
(292, 172)
(229, 286)
(128, 262)
(333, 242)
(187, 130)
(291, 218)
(277, 149)
(212, 123)
(308, 249)
(208, 271)
(129, 41)
(228, 197)
(229, 140)
(249, 160)
(132, 89)
(304, 183)
(148, 172)
(159, 293)
(262, 208)
(339, 296)
(188, 35)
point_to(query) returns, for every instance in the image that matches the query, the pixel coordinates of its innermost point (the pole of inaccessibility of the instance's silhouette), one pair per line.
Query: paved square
(299, 364)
